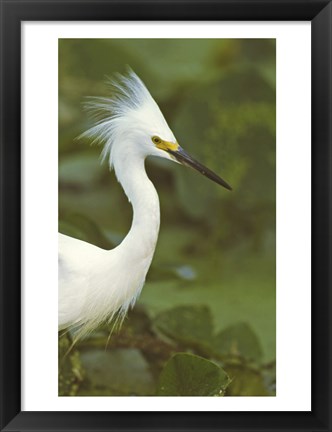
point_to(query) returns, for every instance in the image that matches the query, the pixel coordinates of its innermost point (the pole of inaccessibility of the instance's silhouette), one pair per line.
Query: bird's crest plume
(128, 95)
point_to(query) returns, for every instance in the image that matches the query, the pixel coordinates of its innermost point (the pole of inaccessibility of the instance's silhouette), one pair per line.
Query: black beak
(181, 156)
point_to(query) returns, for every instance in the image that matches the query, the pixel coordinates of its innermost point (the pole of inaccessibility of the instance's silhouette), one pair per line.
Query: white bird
(96, 285)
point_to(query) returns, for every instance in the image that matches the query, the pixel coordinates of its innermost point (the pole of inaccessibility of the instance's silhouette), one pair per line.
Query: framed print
(204, 302)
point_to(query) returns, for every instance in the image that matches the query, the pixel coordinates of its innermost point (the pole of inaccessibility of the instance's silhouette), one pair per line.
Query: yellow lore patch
(164, 145)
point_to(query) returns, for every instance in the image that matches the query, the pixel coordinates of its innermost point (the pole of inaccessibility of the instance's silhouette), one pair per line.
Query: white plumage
(96, 285)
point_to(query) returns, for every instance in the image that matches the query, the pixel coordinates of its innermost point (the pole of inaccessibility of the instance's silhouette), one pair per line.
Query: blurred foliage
(149, 357)
(71, 373)
(210, 292)
(191, 325)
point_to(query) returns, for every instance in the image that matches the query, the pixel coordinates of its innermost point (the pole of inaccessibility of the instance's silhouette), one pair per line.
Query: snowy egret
(96, 285)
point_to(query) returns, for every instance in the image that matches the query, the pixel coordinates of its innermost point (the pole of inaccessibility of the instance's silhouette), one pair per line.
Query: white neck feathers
(131, 174)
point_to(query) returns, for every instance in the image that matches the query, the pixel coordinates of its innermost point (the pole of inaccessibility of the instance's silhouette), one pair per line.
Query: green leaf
(239, 340)
(190, 325)
(190, 375)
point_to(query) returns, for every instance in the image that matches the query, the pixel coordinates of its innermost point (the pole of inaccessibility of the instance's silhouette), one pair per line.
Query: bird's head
(130, 122)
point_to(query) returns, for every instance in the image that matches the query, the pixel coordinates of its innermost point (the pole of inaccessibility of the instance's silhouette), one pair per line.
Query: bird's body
(96, 285)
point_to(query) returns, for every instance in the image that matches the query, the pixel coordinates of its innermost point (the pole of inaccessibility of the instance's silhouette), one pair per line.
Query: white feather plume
(128, 97)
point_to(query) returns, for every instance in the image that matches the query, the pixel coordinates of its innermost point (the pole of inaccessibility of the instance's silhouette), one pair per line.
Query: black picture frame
(13, 12)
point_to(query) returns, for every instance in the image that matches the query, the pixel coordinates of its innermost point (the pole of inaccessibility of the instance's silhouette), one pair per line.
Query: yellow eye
(156, 140)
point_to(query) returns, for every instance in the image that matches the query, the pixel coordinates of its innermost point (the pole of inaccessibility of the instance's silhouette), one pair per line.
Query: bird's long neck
(141, 240)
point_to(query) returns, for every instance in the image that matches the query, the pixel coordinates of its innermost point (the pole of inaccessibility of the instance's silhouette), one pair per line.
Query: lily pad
(239, 340)
(190, 375)
(189, 325)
